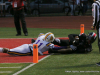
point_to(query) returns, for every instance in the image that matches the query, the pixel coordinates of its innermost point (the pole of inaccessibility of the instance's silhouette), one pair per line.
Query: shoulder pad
(41, 34)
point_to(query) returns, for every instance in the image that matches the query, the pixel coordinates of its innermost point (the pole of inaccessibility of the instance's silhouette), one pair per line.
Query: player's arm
(61, 42)
(74, 39)
(39, 52)
(94, 15)
(53, 47)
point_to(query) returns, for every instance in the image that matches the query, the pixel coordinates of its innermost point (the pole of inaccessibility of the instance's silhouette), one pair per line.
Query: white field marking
(11, 67)
(30, 65)
(5, 71)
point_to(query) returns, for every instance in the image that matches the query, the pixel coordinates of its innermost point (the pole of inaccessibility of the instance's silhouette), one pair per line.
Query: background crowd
(37, 7)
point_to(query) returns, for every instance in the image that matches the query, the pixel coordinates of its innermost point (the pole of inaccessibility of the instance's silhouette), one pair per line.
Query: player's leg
(4, 50)
(22, 50)
(65, 51)
(98, 33)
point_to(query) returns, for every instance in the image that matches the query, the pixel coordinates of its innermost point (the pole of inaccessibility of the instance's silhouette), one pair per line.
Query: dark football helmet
(92, 37)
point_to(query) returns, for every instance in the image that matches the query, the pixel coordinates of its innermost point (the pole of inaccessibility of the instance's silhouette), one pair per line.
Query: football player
(43, 41)
(81, 43)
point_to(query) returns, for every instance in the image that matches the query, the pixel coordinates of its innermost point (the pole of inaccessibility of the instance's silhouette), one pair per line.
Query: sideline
(31, 65)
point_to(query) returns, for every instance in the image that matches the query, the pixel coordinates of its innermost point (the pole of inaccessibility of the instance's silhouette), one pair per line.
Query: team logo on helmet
(49, 37)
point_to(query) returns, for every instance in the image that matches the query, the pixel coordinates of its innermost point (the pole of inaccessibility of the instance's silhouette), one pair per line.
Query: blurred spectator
(80, 5)
(1, 10)
(85, 6)
(72, 4)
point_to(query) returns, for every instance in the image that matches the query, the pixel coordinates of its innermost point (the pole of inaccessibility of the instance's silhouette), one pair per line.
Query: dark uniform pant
(98, 34)
(19, 15)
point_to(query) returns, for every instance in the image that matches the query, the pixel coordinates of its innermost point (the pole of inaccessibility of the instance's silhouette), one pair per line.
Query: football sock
(1, 49)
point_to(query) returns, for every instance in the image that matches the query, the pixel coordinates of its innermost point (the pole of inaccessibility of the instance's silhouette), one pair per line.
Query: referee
(18, 7)
(96, 20)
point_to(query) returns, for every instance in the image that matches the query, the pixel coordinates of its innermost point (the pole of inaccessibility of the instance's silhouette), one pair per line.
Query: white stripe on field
(5, 71)
(10, 67)
(30, 65)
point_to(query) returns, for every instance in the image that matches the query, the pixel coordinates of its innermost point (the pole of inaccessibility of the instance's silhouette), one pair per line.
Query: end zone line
(31, 65)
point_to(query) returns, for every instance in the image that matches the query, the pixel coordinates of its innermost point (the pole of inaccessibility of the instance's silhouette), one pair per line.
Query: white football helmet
(49, 37)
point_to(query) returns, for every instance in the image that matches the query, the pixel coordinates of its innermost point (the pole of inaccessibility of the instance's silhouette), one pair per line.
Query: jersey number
(39, 44)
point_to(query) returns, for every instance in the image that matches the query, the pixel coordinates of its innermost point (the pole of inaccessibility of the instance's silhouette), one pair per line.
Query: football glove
(92, 27)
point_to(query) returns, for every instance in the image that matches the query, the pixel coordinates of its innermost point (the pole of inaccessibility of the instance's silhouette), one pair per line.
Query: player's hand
(75, 43)
(92, 27)
(76, 38)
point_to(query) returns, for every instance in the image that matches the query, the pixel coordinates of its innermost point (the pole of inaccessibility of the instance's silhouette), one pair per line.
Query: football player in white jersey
(43, 41)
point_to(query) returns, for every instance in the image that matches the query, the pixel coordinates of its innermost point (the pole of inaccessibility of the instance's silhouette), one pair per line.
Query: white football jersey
(42, 44)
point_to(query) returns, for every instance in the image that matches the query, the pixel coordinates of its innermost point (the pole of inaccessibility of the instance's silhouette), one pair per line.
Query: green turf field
(57, 64)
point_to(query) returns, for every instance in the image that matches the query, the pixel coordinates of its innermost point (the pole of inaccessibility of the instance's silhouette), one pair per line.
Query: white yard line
(30, 65)
(11, 67)
(5, 71)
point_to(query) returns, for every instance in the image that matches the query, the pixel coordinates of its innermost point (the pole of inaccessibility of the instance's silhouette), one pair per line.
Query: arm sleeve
(41, 34)
(61, 42)
(94, 14)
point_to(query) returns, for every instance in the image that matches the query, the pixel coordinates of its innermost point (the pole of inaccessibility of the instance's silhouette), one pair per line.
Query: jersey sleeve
(41, 34)
(50, 45)
(95, 14)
